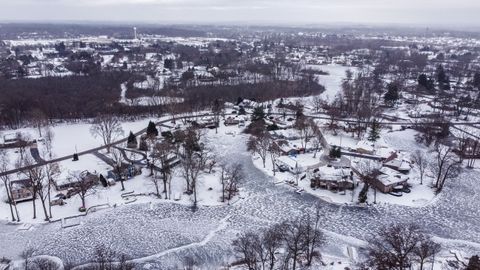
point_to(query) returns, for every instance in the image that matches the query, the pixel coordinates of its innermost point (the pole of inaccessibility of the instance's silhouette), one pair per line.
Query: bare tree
(306, 127)
(108, 128)
(189, 263)
(23, 140)
(4, 163)
(317, 103)
(124, 262)
(246, 245)
(83, 186)
(118, 165)
(444, 166)
(35, 176)
(426, 249)
(420, 160)
(156, 180)
(366, 168)
(235, 176)
(275, 152)
(104, 258)
(43, 190)
(318, 141)
(394, 247)
(334, 112)
(42, 263)
(48, 138)
(260, 144)
(39, 119)
(194, 159)
(52, 170)
(294, 239)
(272, 241)
(217, 109)
(223, 179)
(314, 237)
(27, 255)
(163, 153)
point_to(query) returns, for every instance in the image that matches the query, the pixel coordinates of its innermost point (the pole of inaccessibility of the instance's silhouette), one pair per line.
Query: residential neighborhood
(145, 146)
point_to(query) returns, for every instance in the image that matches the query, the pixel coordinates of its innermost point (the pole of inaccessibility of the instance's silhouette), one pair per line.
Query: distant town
(189, 147)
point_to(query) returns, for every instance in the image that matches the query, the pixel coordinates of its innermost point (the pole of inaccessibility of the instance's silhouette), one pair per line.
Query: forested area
(70, 97)
(204, 95)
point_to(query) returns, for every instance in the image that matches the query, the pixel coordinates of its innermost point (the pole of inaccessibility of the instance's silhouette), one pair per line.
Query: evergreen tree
(362, 196)
(132, 139)
(442, 78)
(473, 263)
(103, 181)
(476, 80)
(335, 152)
(152, 130)
(143, 145)
(168, 64)
(392, 94)
(374, 134)
(425, 82)
(239, 100)
(258, 113)
(242, 111)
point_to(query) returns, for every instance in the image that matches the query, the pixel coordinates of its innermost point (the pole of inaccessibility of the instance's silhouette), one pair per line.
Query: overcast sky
(413, 12)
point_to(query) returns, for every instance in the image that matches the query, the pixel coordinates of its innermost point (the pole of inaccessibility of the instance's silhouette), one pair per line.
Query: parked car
(111, 181)
(72, 192)
(57, 202)
(396, 194)
(282, 168)
(61, 196)
(398, 188)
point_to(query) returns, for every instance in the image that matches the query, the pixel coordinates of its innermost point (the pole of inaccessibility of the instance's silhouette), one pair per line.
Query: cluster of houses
(69, 185)
(337, 174)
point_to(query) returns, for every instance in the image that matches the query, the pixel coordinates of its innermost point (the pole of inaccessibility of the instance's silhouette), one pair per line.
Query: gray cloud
(423, 12)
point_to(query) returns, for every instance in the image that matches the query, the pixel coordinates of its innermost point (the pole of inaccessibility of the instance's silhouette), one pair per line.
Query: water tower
(135, 32)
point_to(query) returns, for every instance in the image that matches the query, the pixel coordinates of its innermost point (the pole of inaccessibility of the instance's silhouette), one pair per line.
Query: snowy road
(167, 233)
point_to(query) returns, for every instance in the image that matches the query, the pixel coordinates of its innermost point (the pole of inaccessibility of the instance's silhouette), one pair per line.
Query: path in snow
(123, 93)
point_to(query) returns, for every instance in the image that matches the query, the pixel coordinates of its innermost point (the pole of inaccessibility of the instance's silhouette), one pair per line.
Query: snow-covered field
(332, 81)
(72, 137)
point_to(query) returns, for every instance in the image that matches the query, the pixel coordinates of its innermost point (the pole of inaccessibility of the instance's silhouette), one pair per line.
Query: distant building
(21, 190)
(332, 178)
(74, 180)
(10, 138)
(127, 171)
(386, 179)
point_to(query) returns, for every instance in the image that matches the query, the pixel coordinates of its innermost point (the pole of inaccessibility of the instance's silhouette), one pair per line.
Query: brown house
(331, 178)
(386, 179)
(72, 181)
(21, 190)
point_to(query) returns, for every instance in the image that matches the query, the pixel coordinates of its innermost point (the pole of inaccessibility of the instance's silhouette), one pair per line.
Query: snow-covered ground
(72, 137)
(160, 234)
(332, 81)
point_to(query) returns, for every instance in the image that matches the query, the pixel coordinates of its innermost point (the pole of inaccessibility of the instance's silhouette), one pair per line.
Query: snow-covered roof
(399, 164)
(330, 173)
(391, 177)
(285, 134)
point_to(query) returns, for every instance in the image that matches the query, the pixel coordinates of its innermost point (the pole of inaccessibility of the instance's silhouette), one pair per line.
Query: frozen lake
(163, 235)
